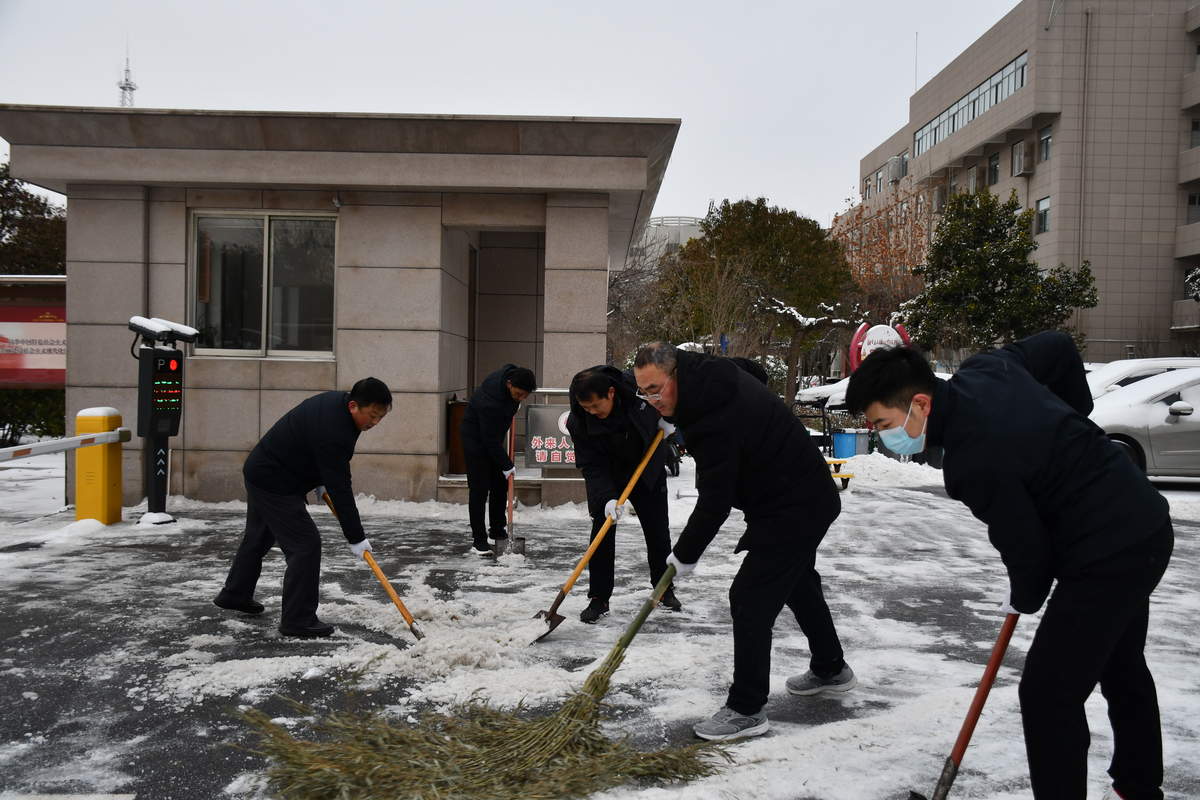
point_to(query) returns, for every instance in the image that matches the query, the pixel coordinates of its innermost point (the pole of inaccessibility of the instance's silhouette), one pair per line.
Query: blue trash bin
(844, 444)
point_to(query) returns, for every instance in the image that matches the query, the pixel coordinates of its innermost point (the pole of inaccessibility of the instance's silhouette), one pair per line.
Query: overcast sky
(777, 99)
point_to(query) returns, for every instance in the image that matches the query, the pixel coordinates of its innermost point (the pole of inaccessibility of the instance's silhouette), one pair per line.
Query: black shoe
(314, 631)
(481, 548)
(670, 601)
(497, 536)
(226, 601)
(596, 609)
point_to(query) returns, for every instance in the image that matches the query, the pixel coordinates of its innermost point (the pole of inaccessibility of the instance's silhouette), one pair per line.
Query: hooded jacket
(1021, 453)
(598, 447)
(488, 417)
(751, 453)
(309, 446)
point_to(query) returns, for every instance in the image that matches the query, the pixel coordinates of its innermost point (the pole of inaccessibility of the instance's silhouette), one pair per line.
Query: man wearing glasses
(752, 453)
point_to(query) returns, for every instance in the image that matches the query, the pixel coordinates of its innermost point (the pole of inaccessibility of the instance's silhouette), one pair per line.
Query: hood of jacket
(704, 383)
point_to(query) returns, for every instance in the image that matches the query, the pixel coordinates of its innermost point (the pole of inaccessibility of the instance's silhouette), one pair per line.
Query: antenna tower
(127, 86)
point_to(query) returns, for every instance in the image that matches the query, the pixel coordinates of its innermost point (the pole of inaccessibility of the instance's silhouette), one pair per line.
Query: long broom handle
(608, 521)
(950, 769)
(412, 623)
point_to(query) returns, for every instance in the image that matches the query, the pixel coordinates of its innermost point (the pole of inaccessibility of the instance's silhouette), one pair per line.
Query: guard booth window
(264, 285)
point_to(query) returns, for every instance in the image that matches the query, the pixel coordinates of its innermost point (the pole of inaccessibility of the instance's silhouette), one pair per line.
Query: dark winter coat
(488, 417)
(602, 451)
(1021, 453)
(751, 453)
(311, 445)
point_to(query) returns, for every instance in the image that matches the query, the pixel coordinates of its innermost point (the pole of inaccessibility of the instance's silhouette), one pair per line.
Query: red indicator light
(174, 365)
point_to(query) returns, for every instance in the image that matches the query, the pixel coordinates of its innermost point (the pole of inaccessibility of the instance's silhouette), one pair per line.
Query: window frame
(1041, 217)
(1045, 144)
(993, 175)
(1193, 202)
(193, 273)
(972, 177)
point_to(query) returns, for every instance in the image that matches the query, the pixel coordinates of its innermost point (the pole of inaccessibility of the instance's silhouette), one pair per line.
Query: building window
(264, 284)
(1193, 209)
(1044, 142)
(1195, 133)
(867, 189)
(954, 183)
(1041, 222)
(993, 169)
(1018, 159)
(879, 181)
(904, 165)
(973, 178)
(995, 89)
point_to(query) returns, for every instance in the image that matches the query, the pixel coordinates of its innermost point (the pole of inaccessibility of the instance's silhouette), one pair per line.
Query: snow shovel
(950, 771)
(512, 453)
(412, 623)
(554, 619)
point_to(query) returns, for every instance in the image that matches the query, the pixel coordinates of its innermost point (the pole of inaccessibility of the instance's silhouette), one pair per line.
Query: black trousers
(768, 580)
(279, 519)
(651, 505)
(1094, 631)
(486, 485)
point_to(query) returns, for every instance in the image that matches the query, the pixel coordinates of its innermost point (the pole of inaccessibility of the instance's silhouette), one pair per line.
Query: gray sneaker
(808, 683)
(727, 725)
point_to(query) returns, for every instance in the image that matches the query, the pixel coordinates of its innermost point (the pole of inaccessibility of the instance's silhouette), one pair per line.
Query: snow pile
(880, 470)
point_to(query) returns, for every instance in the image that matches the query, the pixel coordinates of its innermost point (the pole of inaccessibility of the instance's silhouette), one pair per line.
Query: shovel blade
(553, 620)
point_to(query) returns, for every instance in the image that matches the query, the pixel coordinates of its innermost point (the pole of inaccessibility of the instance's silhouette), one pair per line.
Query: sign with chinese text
(547, 443)
(33, 347)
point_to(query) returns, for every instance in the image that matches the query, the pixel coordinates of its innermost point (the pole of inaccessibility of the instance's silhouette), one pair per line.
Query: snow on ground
(119, 673)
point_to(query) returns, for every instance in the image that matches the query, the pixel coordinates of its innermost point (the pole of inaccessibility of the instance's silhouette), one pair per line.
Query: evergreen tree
(33, 231)
(981, 289)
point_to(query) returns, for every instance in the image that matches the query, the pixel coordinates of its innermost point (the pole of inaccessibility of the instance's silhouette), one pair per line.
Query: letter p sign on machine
(160, 402)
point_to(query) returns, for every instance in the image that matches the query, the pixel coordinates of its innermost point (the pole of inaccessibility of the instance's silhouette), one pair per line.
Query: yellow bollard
(98, 468)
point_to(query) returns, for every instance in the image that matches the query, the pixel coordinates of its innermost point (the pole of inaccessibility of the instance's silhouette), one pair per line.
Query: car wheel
(1134, 452)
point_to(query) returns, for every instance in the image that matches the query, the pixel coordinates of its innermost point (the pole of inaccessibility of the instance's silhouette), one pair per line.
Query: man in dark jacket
(485, 423)
(611, 429)
(1061, 502)
(310, 447)
(752, 453)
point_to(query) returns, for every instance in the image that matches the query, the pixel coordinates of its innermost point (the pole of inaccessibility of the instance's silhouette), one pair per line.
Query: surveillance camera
(154, 330)
(178, 330)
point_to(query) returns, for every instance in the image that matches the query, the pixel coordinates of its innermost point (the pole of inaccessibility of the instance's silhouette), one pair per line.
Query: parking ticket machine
(160, 402)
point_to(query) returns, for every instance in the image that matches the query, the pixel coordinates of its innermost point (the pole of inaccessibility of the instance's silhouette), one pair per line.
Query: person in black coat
(611, 429)
(310, 447)
(752, 453)
(1062, 503)
(487, 419)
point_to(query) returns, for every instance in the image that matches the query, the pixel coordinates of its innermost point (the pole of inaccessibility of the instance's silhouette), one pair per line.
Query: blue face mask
(899, 442)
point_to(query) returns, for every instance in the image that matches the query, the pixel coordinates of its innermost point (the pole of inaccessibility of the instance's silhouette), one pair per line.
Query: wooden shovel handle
(607, 523)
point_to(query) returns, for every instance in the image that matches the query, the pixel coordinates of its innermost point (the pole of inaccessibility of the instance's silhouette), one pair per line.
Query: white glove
(508, 473)
(611, 509)
(320, 490)
(1006, 604)
(681, 568)
(667, 428)
(362, 547)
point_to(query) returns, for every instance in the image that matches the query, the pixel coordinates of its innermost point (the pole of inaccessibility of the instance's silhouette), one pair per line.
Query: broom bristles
(477, 751)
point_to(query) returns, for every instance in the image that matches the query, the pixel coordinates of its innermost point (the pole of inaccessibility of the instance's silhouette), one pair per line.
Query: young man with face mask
(1062, 503)
(611, 429)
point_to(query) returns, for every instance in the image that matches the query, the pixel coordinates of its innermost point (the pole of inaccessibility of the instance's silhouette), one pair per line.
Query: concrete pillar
(107, 250)
(576, 288)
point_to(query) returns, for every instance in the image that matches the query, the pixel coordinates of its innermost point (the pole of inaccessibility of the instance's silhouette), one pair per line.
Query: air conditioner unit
(1023, 160)
(895, 169)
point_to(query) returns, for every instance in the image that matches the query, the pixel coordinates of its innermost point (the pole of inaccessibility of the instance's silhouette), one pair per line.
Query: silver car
(1103, 378)
(1154, 421)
